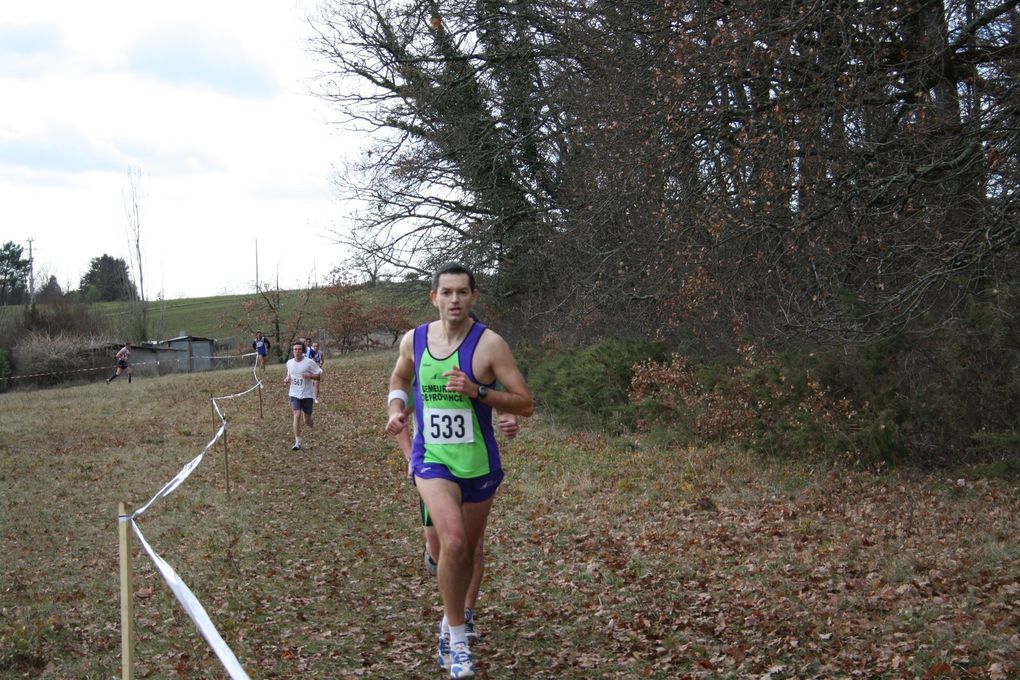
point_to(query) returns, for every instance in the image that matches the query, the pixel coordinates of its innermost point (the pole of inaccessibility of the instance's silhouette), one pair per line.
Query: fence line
(184, 595)
(133, 363)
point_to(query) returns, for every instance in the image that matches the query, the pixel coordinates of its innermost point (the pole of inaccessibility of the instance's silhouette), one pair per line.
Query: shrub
(923, 396)
(589, 385)
(64, 318)
(57, 357)
(5, 368)
(941, 396)
(761, 403)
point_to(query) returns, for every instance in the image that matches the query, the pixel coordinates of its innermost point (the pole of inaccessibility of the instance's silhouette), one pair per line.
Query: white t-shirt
(299, 387)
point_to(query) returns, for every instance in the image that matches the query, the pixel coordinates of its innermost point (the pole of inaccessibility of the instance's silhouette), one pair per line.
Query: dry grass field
(607, 557)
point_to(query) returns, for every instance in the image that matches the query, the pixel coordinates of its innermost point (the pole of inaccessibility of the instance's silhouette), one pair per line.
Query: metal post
(226, 458)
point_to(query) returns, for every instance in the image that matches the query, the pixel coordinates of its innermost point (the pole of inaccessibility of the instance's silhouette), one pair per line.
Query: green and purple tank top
(453, 429)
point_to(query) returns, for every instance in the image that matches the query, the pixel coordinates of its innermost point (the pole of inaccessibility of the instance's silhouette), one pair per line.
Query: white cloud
(209, 100)
(28, 49)
(190, 56)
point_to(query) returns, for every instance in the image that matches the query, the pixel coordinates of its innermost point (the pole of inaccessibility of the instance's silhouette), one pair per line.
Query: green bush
(588, 386)
(5, 368)
(779, 407)
(927, 395)
(937, 396)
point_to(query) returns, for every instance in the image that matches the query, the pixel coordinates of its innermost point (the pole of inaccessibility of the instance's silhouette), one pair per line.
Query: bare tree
(851, 163)
(134, 201)
(461, 171)
(282, 315)
(831, 171)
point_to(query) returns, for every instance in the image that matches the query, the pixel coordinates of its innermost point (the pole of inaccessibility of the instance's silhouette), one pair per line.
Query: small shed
(198, 352)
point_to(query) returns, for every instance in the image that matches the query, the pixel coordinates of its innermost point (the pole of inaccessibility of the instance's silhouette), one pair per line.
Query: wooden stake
(127, 606)
(226, 458)
(260, 399)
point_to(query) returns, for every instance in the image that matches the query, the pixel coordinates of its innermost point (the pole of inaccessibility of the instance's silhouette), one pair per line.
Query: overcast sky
(210, 100)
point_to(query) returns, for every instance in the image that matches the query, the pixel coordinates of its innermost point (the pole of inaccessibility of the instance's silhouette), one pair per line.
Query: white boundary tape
(195, 611)
(184, 595)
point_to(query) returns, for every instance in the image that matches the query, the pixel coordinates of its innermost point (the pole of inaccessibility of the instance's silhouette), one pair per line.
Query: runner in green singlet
(453, 363)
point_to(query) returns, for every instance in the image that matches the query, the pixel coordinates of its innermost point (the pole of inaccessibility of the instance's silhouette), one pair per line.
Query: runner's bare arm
(497, 364)
(400, 379)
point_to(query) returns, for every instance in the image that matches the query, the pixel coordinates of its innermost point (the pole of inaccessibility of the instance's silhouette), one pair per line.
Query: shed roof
(142, 347)
(190, 337)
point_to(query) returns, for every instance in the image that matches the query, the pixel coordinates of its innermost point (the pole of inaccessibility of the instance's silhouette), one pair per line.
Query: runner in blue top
(453, 364)
(315, 354)
(261, 346)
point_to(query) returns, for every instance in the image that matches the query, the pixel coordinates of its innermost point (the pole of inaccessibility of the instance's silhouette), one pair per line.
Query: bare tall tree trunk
(134, 198)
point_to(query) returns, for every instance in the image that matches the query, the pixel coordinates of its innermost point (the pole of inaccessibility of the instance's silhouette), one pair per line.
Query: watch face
(482, 391)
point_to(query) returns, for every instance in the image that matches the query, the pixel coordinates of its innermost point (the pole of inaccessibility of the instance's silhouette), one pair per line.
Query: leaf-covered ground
(607, 558)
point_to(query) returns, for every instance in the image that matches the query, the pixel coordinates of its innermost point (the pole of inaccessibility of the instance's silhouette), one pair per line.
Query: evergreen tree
(50, 291)
(108, 279)
(13, 274)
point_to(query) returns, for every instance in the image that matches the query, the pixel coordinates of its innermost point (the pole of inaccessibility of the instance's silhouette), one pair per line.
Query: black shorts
(302, 405)
(426, 518)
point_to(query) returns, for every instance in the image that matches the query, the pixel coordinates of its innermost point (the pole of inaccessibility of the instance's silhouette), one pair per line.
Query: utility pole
(256, 265)
(31, 273)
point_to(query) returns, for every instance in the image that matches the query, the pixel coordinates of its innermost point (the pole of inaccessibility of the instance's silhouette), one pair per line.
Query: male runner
(261, 346)
(455, 461)
(123, 363)
(302, 372)
(315, 354)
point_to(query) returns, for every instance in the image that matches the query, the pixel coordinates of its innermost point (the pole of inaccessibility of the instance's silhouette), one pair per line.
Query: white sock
(297, 440)
(444, 626)
(458, 635)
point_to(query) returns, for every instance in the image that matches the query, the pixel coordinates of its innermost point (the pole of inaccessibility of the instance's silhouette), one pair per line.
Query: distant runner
(315, 354)
(123, 357)
(261, 347)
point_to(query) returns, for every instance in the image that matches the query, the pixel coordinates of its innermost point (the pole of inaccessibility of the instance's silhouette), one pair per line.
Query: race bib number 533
(448, 426)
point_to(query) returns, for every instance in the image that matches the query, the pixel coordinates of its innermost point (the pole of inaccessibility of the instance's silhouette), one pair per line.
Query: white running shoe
(461, 664)
(443, 654)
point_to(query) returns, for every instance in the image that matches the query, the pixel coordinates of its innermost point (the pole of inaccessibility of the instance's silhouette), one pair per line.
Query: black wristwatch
(482, 391)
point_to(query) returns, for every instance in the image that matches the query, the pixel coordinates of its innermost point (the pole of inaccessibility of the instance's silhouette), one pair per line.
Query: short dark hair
(453, 268)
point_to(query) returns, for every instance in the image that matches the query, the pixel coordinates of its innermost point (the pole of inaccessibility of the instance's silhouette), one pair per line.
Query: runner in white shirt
(302, 375)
